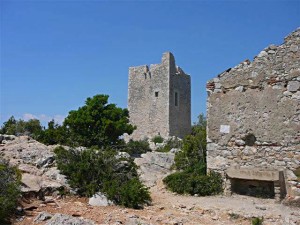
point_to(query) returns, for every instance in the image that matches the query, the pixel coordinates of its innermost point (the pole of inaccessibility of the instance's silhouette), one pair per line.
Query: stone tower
(159, 100)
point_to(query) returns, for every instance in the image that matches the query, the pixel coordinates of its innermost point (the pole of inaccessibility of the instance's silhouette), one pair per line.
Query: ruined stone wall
(150, 100)
(253, 113)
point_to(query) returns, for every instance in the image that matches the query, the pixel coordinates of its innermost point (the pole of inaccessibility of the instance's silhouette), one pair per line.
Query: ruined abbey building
(253, 129)
(159, 100)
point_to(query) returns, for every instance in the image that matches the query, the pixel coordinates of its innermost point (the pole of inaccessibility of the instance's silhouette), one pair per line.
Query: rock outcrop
(61, 219)
(153, 166)
(36, 162)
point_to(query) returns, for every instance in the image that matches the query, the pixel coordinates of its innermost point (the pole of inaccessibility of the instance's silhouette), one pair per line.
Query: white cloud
(59, 118)
(44, 118)
(28, 116)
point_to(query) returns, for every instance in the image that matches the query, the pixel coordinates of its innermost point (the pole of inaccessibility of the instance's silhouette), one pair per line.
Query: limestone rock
(33, 183)
(290, 176)
(153, 166)
(68, 220)
(99, 199)
(27, 151)
(293, 86)
(35, 160)
(262, 54)
(239, 88)
(123, 155)
(42, 217)
(240, 142)
(175, 150)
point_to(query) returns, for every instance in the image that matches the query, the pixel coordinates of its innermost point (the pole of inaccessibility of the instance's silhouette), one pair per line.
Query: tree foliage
(97, 123)
(19, 127)
(9, 189)
(54, 134)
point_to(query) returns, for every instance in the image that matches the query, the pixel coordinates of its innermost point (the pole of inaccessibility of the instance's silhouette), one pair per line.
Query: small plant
(257, 221)
(171, 143)
(234, 216)
(158, 139)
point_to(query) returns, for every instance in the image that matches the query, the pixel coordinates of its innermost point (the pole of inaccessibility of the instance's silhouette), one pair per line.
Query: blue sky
(55, 54)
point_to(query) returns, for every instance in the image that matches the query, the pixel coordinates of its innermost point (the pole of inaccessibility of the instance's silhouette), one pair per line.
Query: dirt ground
(169, 208)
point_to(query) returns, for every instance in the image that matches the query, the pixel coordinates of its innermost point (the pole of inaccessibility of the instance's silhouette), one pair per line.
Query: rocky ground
(39, 174)
(167, 208)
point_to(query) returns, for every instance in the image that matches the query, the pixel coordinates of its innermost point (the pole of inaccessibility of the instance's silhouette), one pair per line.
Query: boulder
(124, 155)
(54, 174)
(35, 160)
(68, 220)
(26, 150)
(42, 217)
(33, 183)
(175, 150)
(154, 166)
(99, 199)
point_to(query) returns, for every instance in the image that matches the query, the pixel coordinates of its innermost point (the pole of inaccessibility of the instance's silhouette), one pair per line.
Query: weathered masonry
(159, 99)
(253, 113)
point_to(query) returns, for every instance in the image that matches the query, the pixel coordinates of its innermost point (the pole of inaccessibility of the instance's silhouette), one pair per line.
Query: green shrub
(158, 139)
(177, 182)
(131, 194)
(9, 190)
(257, 221)
(136, 147)
(192, 154)
(191, 161)
(90, 171)
(191, 183)
(171, 143)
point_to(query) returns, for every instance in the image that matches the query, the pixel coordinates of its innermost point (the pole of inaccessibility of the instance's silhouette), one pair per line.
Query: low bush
(9, 190)
(136, 147)
(90, 171)
(191, 183)
(132, 193)
(158, 139)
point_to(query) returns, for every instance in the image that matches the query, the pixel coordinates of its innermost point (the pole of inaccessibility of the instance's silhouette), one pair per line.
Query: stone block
(293, 86)
(252, 174)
